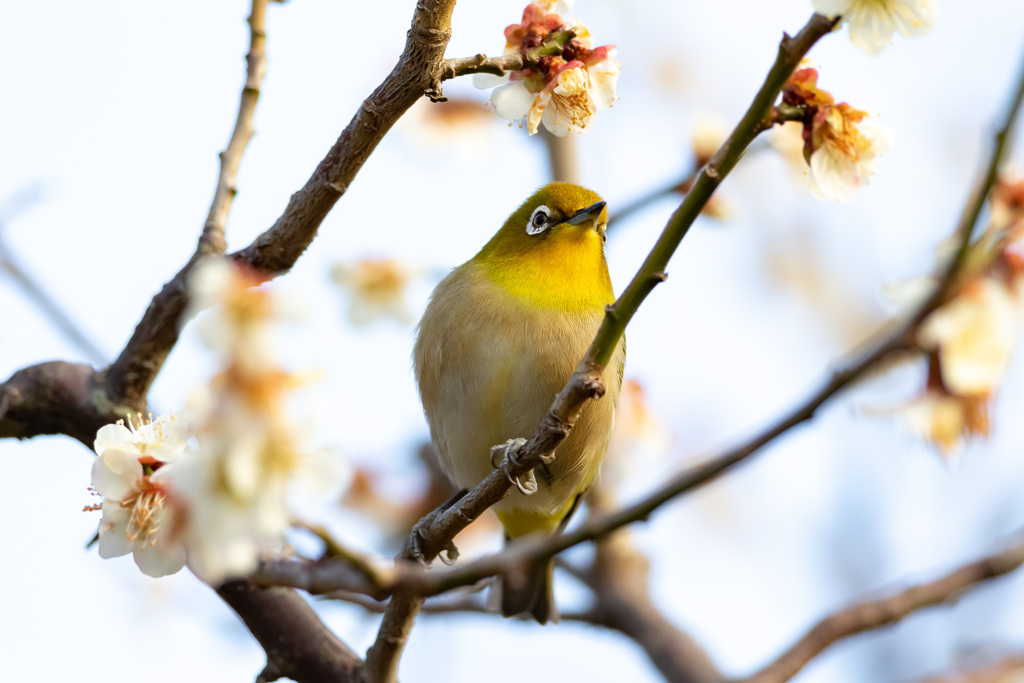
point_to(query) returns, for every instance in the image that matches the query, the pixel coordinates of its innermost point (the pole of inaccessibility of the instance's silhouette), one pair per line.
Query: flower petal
(487, 81)
(831, 8)
(512, 101)
(115, 474)
(114, 531)
(158, 559)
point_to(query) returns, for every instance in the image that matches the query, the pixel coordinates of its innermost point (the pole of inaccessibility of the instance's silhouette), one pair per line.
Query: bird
(500, 336)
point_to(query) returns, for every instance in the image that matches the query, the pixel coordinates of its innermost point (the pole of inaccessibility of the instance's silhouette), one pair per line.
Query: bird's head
(551, 249)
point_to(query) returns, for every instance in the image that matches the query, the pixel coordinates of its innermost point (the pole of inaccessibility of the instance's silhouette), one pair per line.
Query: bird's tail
(531, 592)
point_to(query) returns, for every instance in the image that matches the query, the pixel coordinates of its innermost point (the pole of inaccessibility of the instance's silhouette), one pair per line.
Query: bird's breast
(488, 367)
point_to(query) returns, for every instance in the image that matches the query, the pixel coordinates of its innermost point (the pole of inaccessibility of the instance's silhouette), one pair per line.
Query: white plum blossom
(161, 439)
(846, 154)
(872, 22)
(132, 474)
(562, 91)
(974, 336)
(841, 143)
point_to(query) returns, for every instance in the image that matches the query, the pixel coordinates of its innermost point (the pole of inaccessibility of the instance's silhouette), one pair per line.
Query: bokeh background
(112, 117)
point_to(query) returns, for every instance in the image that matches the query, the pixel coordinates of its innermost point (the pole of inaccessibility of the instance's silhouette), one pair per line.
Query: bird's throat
(567, 275)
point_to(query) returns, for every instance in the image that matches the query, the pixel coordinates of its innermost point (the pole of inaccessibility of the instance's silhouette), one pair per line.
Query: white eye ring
(540, 220)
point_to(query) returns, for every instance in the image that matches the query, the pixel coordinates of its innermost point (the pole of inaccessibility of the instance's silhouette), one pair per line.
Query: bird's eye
(539, 221)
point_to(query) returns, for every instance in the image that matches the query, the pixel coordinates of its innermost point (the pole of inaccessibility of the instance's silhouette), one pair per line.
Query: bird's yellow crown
(550, 251)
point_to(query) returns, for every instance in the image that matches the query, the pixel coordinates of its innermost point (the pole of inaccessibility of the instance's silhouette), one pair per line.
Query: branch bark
(132, 374)
(297, 643)
(585, 383)
(876, 613)
(559, 420)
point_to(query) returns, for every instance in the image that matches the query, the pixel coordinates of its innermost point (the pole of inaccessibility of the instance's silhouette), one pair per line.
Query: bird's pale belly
(492, 387)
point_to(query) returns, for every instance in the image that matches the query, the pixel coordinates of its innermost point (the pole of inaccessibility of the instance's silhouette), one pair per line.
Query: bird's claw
(421, 534)
(505, 457)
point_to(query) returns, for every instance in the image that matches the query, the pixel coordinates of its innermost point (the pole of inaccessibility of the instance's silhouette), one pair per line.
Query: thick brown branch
(297, 643)
(134, 371)
(876, 613)
(54, 398)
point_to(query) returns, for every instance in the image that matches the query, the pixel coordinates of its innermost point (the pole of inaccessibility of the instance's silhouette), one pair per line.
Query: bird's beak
(584, 215)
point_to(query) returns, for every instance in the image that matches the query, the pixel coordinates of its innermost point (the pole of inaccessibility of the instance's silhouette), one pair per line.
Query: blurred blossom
(710, 132)
(637, 430)
(376, 288)
(841, 143)
(239, 330)
(788, 141)
(944, 419)
(370, 493)
(132, 474)
(971, 336)
(872, 22)
(459, 125)
(251, 460)
(974, 336)
(564, 90)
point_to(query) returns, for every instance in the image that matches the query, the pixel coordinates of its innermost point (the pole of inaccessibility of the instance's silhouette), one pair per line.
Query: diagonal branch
(873, 614)
(297, 643)
(585, 383)
(129, 378)
(449, 522)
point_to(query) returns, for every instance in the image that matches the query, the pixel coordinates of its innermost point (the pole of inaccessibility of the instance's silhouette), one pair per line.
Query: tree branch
(622, 601)
(297, 643)
(450, 521)
(131, 375)
(499, 66)
(876, 613)
(34, 289)
(585, 383)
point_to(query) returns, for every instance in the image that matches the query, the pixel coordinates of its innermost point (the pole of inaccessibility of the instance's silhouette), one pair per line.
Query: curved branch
(876, 613)
(450, 521)
(131, 375)
(499, 66)
(585, 383)
(297, 643)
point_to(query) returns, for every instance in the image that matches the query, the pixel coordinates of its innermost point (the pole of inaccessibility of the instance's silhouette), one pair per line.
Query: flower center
(146, 504)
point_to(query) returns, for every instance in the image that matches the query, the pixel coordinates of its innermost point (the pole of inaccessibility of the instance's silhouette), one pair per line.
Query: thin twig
(452, 520)
(585, 383)
(681, 186)
(499, 66)
(876, 613)
(376, 572)
(131, 375)
(34, 289)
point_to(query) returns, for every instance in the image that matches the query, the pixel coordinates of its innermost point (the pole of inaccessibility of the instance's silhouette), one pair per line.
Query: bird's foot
(420, 535)
(505, 457)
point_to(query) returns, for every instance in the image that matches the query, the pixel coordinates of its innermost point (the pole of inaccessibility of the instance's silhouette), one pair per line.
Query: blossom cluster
(970, 338)
(214, 491)
(841, 143)
(376, 288)
(563, 90)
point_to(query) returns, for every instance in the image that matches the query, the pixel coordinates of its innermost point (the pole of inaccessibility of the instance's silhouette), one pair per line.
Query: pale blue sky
(117, 111)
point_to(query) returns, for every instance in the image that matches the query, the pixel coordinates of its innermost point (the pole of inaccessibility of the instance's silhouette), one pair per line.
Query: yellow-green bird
(501, 336)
